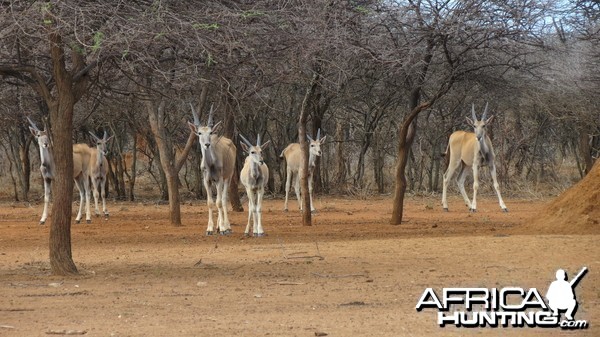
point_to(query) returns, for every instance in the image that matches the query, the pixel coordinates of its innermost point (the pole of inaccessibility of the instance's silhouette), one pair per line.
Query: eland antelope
(254, 176)
(218, 165)
(80, 173)
(468, 149)
(294, 159)
(98, 169)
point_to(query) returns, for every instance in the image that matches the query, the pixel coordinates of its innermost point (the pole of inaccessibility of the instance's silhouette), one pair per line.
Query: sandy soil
(351, 274)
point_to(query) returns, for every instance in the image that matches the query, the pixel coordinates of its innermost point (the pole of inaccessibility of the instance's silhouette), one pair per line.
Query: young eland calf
(468, 149)
(254, 176)
(218, 165)
(294, 160)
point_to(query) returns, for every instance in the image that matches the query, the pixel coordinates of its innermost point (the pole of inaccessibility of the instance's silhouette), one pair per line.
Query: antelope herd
(465, 150)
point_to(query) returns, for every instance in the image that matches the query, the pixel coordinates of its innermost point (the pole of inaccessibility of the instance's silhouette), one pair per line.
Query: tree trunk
(306, 206)
(340, 178)
(133, 174)
(229, 132)
(406, 136)
(61, 117)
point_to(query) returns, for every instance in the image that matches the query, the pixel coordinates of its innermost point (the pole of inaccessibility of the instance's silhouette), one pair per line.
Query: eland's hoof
(106, 215)
(77, 221)
(209, 233)
(313, 211)
(246, 235)
(505, 210)
(97, 215)
(88, 221)
(445, 209)
(259, 235)
(472, 210)
(285, 210)
(226, 232)
(42, 223)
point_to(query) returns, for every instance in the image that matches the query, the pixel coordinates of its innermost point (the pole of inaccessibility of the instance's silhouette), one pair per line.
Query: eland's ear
(33, 132)
(265, 145)
(244, 147)
(489, 120)
(192, 127)
(470, 121)
(322, 140)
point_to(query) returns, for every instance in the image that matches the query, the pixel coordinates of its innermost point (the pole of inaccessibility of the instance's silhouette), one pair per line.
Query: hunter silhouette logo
(507, 307)
(561, 293)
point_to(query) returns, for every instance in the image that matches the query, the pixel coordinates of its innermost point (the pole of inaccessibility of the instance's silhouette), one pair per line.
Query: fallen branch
(66, 332)
(306, 257)
(339, 276)
(7, 327)
(287, 283)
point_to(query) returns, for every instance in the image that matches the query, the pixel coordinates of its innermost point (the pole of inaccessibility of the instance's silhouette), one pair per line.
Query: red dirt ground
(351, 274)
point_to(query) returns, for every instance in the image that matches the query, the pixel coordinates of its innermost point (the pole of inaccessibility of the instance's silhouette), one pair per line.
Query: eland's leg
(475, 186)
(297, 189)
(258, 228)
(310, 192)
(497, 187)
(452, 166)
(86, 187)
(460, 180)
(250, 194)
(47, 187)
(103, 196)
(81, 189)
(226, 225)
(288, 181)
(219, 201)
(210, 229)
(95, 185)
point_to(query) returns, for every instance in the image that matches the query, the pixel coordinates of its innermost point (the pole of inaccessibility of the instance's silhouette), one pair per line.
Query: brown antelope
(294, 159)
(254, 176)
(47, 168)
(98, 169)
(218, 165)
(468, 149)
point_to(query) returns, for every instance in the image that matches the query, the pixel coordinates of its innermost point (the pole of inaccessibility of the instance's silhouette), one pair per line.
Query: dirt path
(351, 274)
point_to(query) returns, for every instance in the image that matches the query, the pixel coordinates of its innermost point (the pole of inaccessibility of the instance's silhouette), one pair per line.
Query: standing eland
(468, 149)
(294, 159)
(254, 176)
(80, 172)
(98, 170)
(218, 165)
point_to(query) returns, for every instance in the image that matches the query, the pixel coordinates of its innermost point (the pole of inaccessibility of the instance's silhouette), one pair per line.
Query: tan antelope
(254, 176)
(98, 169)
(293, 158)
(218, 165)
(47, 168)
(468, 149)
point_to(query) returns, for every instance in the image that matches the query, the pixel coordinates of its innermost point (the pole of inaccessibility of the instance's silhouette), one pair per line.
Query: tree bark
(61, 116)
(306, 206)
(168, 161)
(229, 132)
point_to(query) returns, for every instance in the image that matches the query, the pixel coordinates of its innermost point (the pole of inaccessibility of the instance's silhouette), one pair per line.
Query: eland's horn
(473, 113)
(245, 140)
(485, 111)
(210, 116)
(258, 139)
(309, 138)
(196, 117)
(32, 124)
(105, 137)
(319, 134)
